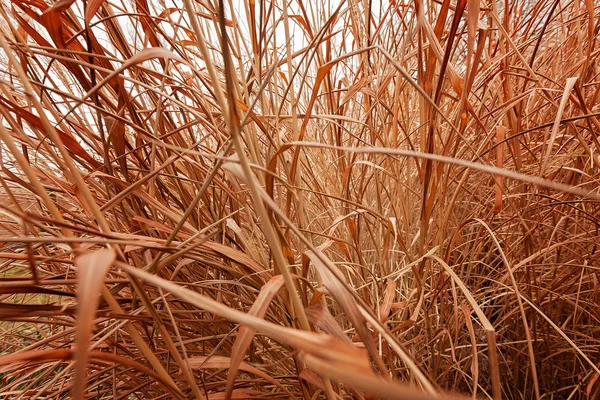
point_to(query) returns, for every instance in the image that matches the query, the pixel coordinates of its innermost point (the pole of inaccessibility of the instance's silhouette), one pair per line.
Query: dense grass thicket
(304, 199)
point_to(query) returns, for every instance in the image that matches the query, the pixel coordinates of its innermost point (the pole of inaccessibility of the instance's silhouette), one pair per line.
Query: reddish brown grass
(299, 200)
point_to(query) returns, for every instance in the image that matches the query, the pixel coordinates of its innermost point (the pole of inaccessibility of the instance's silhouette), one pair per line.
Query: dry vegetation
(300, 199)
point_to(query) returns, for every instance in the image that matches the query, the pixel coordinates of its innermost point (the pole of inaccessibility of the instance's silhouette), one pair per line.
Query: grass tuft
(289, 199)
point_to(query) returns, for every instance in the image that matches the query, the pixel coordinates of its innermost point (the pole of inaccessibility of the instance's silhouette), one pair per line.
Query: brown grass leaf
(246, 334)
(367, 381)
(591, 383)
(91, 270)
(59, 6)
(563, 103)
(92, 8)
(334, 283)
(319, 316)
(388, 299)
(500, 134)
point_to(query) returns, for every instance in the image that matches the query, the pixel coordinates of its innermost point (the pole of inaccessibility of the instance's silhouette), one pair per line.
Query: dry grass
(298, 200)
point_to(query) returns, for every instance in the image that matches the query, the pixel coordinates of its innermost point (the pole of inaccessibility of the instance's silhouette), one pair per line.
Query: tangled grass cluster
(291, 199)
